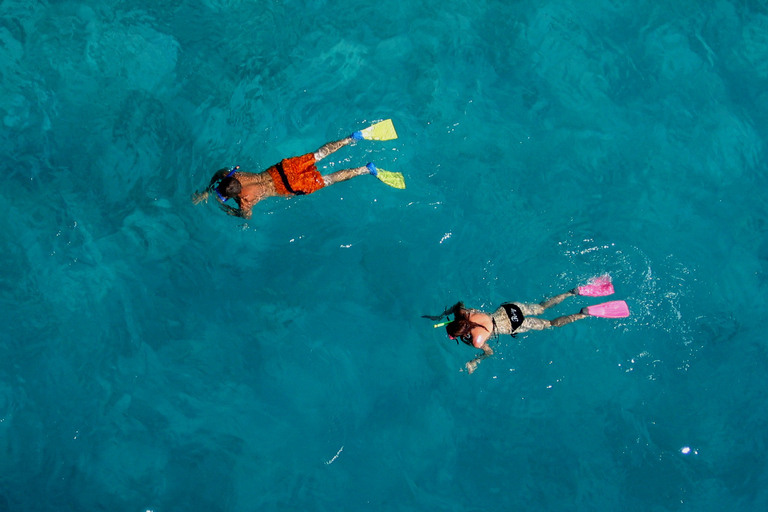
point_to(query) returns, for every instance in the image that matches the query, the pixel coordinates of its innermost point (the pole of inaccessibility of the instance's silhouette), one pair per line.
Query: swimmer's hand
(199, 197)
(472, 365)
(231, 211)
(448, 311)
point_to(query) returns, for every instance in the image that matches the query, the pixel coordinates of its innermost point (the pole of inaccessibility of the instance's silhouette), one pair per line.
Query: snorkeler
(476, 328)
(295, 176)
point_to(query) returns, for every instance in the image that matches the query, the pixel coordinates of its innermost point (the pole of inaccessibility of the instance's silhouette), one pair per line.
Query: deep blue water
(162, 356)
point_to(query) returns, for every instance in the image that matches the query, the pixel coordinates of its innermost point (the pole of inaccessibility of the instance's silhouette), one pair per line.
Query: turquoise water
(162, 356)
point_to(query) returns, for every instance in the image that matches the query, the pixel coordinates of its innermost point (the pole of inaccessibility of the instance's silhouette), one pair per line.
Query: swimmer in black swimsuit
(476, 328)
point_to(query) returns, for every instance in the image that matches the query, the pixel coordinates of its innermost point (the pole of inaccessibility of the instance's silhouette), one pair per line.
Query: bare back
(255, 187)
(479, 335)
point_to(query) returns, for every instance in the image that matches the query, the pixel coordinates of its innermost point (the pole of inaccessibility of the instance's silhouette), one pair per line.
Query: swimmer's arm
(448, 311)
(235, 212)
(487, 351)
(246, 210)
(246, 205)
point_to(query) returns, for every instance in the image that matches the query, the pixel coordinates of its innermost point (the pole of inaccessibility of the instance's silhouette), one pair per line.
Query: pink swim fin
(597, 287)
(613, 309)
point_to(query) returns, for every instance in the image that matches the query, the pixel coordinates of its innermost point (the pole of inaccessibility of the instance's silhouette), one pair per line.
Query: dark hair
(229, 187)
(461, 326)
(223, 183)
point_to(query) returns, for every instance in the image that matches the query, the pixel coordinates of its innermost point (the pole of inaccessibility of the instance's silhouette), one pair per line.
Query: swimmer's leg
(537, 309)
(557, 299)
(332, 147)
(567, 319)
(533, 324)
(540, 324)
(344, 175)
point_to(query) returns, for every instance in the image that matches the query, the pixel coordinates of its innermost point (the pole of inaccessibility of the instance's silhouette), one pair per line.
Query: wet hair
(227, 186)
(461, 326)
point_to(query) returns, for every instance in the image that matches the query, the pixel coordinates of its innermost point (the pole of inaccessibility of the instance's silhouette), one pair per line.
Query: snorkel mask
(232, 170)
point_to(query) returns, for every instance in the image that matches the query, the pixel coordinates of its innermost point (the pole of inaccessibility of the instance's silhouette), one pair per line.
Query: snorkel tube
(218, 194)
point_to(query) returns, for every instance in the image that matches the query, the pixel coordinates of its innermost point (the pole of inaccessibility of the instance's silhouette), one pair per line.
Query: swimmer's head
(461, 327)
(223, 184)
(458, 327)
(228, 188)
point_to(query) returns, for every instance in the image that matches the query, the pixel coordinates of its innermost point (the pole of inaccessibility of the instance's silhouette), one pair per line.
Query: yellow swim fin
(383, 130)
(393, 179)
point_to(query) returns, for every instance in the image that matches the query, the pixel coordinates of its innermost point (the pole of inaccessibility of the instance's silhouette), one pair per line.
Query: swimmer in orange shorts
(295, 176)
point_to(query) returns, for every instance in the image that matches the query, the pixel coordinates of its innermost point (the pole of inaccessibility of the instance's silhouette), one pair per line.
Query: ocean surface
(161, 356)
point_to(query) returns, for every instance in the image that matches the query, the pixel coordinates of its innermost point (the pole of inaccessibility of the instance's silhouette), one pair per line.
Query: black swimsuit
(515, 315)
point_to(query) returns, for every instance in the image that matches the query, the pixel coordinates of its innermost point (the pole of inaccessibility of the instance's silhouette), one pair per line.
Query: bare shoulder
(480, 317)
(252, 178)
(481, 334)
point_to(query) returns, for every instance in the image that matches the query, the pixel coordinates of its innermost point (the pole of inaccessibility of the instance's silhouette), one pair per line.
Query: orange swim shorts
(296, 176)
